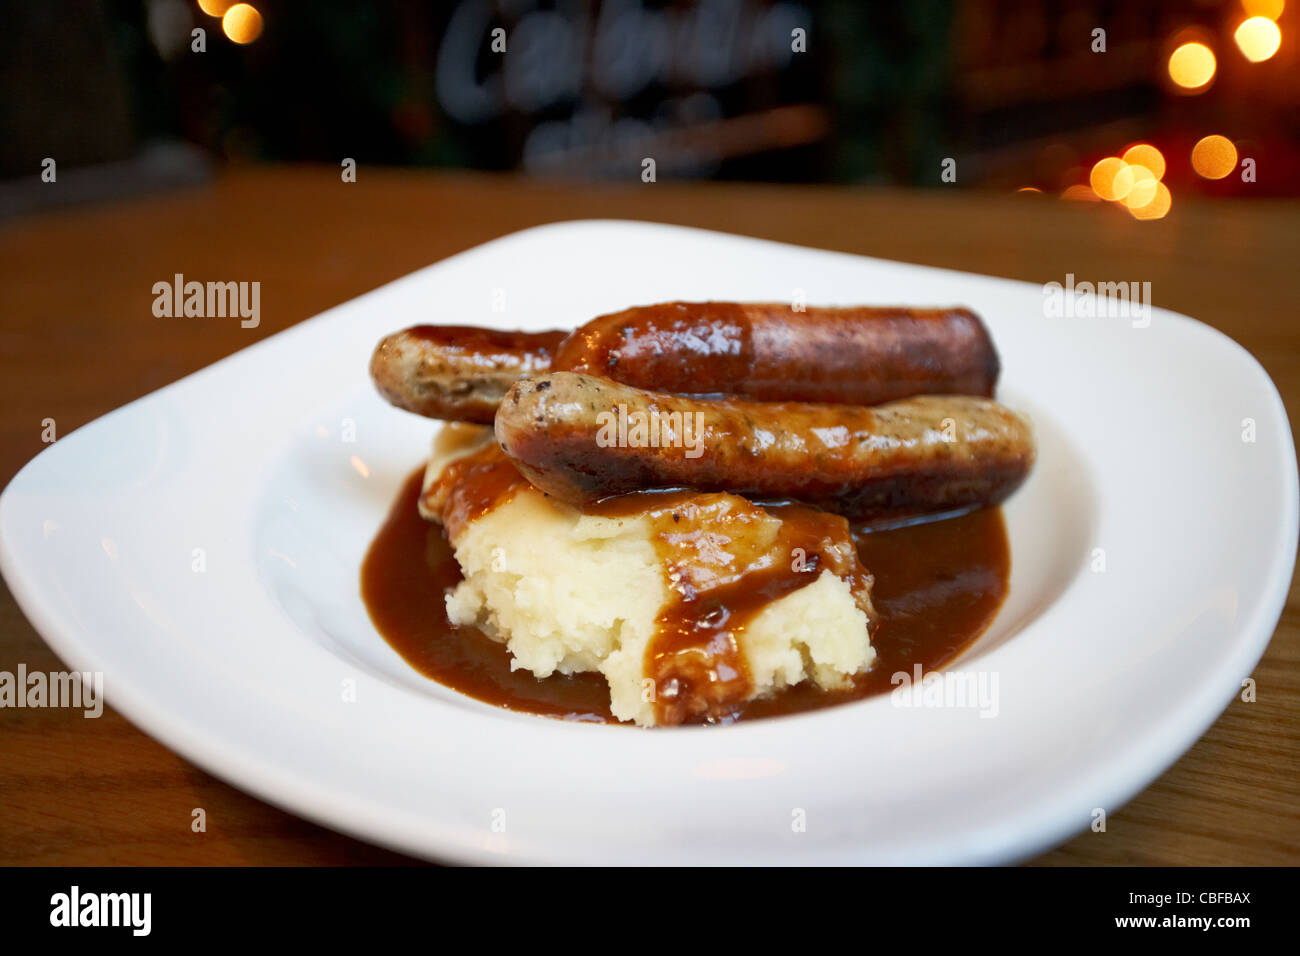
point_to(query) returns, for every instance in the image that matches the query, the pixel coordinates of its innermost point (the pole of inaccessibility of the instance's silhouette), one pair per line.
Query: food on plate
(456, 372)
(569, 434)
(765, 351)
(690, 605)
(772, 352)
(693, 512)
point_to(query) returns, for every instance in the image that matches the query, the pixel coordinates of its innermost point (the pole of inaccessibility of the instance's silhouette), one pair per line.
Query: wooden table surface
(79, 339)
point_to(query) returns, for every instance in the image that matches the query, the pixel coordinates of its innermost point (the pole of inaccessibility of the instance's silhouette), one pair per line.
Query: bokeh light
(1134, 185)
(1157, 208)
(1263, 8)
(242, 23)
(1214, 156)
(1146, 155)
(215, 8)
(1111, 178)
(1258, 38)
(1143, 189)
(1192, 65)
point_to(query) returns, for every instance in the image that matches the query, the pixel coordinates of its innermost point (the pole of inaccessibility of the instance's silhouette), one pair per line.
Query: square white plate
(1104, 677)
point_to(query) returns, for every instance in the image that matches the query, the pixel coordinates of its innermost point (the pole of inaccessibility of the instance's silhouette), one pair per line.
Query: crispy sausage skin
(763, 351)
(582, 438)
(457, 372)
(768, 352)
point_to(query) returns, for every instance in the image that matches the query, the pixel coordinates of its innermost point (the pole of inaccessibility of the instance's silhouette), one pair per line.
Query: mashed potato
(570, 592)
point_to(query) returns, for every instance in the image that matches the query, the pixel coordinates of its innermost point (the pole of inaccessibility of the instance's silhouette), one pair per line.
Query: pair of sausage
(767, 402)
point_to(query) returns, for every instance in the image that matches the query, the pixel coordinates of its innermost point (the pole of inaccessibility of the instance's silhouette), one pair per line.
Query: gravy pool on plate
(937, 587)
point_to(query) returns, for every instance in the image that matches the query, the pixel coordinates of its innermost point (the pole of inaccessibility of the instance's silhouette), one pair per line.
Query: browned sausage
(765, 351)
(582, 438)
(857, 355)
(457, 372)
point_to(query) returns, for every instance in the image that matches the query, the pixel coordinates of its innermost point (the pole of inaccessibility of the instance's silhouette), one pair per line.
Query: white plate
(1104, 678)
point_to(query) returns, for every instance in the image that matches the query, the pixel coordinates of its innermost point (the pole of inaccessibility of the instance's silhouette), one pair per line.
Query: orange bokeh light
(1214, 156)
(215, 8)
(1146, 155)
(1143, 189)
(1192, 65)
(242, 23)
(1258, 38)
(1133, 184)
(1157, 208)
(1111, 179)
(1263, 8)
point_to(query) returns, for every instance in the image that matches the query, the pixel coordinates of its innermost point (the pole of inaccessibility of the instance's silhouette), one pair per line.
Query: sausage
(857, 355)
(582, 438)
(457, 372)
(765, 351)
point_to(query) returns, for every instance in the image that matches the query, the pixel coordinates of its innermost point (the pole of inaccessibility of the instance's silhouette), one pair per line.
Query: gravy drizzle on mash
(726, 560)
(724, 569)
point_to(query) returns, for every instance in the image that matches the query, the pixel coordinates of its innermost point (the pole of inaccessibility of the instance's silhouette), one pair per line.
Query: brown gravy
(937, 587)
(718, 587)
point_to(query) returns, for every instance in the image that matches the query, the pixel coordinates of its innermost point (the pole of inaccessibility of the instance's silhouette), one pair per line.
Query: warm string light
(242, 23)
(1106, 178)
(1144, 187)
(1192, 66)
(1214, 156)
(1158, 207)
(1133, 181)
(1258, 38)
(1263, 8)
(1144, 154)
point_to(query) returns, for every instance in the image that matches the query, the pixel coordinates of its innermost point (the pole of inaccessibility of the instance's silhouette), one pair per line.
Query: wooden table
(79, 339)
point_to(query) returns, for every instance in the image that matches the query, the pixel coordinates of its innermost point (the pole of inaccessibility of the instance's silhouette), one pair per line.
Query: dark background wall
(883, 92)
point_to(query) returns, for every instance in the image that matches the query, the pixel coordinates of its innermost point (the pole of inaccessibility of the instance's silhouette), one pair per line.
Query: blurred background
(1131, 101)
